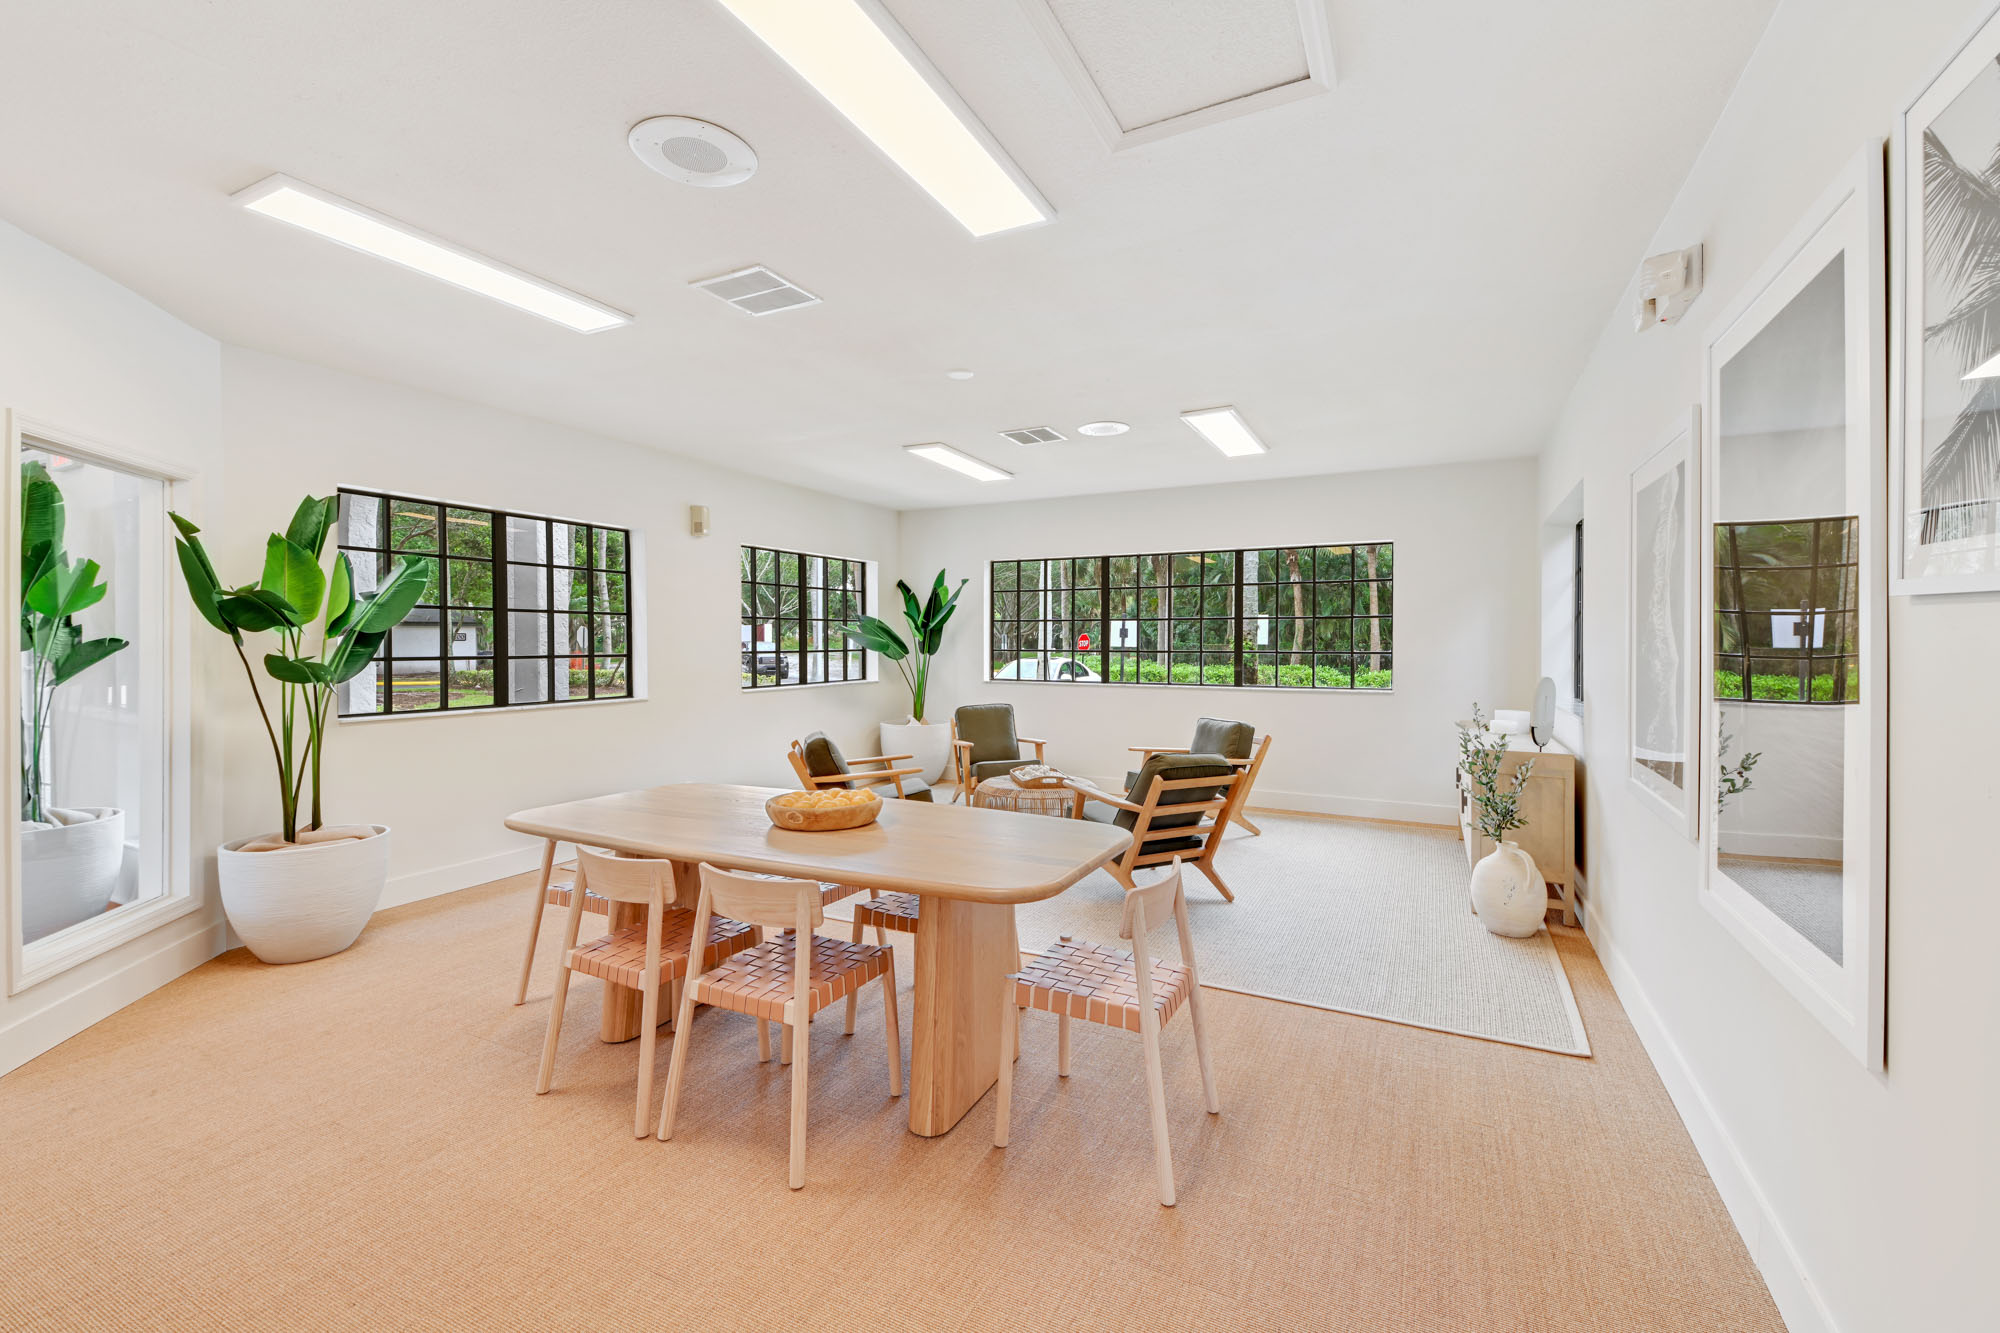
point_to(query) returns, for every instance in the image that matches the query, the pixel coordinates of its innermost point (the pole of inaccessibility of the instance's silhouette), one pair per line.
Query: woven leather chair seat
(558, 896)
(891, 911)
(621, 956)
(1098, 984)
(759, 981)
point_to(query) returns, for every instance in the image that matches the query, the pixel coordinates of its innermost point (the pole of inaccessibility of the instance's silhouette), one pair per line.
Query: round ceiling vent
(1102, 428)
(692, 151)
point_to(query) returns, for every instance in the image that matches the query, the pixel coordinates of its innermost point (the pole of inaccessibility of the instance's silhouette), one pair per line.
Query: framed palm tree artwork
(1945, 484)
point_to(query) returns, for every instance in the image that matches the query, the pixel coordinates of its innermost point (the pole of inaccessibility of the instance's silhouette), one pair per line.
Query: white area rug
(1368, 919)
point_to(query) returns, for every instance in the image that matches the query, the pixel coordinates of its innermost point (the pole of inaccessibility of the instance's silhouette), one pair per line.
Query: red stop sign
(1082, 642)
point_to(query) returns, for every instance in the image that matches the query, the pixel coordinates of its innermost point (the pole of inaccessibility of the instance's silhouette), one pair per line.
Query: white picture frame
(1945, 534)
(1662, 680)
(1849, 995)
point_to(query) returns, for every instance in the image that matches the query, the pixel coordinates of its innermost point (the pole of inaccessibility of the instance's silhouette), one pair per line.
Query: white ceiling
(1407, 270)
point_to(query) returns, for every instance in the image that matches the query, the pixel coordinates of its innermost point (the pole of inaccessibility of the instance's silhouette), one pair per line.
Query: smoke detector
(1102, 428)
(1034, 435)
(692, 151)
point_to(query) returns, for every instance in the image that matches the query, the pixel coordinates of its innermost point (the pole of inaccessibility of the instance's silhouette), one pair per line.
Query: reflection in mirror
(1787, 637)
(93, 707)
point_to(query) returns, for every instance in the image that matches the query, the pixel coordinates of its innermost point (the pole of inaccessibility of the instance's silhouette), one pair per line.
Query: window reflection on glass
(793, 607)
(93, 689)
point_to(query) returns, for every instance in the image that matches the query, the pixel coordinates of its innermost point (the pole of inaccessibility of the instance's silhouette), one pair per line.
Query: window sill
(367, 718)
(1150, 685)
(801, 685)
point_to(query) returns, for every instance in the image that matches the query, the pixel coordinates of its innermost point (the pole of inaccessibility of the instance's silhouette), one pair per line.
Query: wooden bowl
(799, 820)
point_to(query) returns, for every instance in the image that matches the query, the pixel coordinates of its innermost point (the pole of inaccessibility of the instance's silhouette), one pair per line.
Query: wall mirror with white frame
(1794, 464)
(98, 698)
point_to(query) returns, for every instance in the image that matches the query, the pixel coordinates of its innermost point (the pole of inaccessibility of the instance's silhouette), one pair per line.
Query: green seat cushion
(1215, 735)
(993, 768)
(990, 728)
(823, 757)
(1108, 814)
(1173, 768)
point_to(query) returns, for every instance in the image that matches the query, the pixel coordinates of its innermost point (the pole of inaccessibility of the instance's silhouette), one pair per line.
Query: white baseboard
(1784, 1272)
(1313, 803)
(181, 947)
(421, 884)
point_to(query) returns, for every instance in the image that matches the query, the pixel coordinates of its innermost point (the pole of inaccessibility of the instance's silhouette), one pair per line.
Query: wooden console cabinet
(1549, 804)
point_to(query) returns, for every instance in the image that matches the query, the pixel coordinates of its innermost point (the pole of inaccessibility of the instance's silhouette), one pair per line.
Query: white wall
(1868, 1200)
(446, 782)
(84, 356)
(1466, 579)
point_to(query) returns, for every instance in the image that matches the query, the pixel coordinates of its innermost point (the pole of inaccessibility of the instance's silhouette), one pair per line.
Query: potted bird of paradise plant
(928, 743)
(306, 890)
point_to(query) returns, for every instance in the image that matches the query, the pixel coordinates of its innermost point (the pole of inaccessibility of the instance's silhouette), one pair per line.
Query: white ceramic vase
(70, 869)
(296, 904)
(929, 742)
(1508, 892)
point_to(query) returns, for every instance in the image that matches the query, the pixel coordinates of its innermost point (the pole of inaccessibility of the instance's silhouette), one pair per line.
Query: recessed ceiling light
(946, 456)
(958, 374)
(692, 151)
(357, 228)
(1224, 428)
(856, 57)
(1102, 428)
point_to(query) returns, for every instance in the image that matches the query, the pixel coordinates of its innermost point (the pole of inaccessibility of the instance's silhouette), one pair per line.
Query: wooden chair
(819, 763)
(984, 745)
(643, 957)
(1164, 812)
(885, 912)
(769, 982)
(549, 895)
(1235, 742)
(1100, 984)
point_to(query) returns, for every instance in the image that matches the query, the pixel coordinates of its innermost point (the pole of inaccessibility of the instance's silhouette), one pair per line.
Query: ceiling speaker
(692, 151)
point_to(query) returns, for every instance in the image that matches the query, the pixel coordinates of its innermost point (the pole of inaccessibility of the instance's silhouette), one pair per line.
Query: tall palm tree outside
(1961, 476)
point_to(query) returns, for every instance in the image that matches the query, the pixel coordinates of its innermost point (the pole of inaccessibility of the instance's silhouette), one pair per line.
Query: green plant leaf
(202, 587)
(81, 657)
(403, 589)
(293, 573)
(66, 590)
(41, 508)
(255, 610)
(311, 523)
(937, 612)
(875, 634)
(340, 595)
(351, 658)
(913, 612)
(296, 670)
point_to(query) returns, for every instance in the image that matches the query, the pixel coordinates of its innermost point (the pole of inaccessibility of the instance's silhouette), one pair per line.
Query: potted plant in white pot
(70, 856)
(1508, 891)
(307, 890)
(928, 743)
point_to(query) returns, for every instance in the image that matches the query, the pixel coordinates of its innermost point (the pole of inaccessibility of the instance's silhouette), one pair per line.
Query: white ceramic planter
(69, 872)
(1508, 892)
(930, 743)
(296, 904)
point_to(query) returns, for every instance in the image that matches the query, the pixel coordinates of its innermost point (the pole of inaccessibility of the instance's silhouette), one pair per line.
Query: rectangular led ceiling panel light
(946, 456)
(858, 58)
(1224, 428)
(372, 233)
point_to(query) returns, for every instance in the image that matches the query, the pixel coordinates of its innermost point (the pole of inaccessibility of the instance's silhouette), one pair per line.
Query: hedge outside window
(793, 607)
(1306, 617)
(1786, 597)
(521, 609)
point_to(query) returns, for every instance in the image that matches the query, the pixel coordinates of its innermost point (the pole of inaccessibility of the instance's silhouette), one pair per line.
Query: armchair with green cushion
(1178, 805)
(819, 763)
(984, 745)
(1235, 741)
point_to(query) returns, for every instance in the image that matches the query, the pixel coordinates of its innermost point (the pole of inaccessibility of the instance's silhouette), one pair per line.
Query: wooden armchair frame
(876, 778)
(1209, 829)
(961, 761)
(1240, 792)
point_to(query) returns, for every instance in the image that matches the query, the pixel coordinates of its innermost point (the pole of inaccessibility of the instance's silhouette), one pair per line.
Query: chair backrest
(990, 728)
(824, 759)
(1154, 902)
(756, 900)
(1176, 768)
(1215, 735)
(626, 879)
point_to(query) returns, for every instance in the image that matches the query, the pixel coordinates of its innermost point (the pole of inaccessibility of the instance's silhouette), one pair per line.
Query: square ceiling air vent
(1034, 435)
(757, 290)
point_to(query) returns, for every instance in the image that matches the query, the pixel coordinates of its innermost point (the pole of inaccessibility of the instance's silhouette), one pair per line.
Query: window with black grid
(520, 609)
(1285, 617)
(1786, 603)
(794, 606)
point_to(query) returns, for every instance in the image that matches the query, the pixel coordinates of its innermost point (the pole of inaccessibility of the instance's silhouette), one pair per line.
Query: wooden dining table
(969, 866)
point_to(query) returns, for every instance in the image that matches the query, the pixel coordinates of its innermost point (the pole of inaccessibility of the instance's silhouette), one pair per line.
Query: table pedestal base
(963, 951)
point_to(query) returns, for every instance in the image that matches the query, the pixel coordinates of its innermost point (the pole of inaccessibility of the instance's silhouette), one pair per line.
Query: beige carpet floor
(355, 1144)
